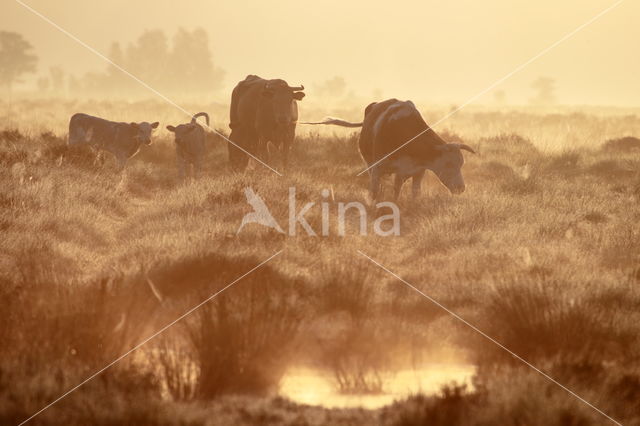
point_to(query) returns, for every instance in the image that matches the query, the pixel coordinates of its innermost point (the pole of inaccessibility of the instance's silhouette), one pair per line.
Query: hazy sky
(440, 51)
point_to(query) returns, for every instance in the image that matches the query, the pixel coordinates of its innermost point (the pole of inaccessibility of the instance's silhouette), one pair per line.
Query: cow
(386, 128)
(190, 144)
(262, 112)
(123, 140)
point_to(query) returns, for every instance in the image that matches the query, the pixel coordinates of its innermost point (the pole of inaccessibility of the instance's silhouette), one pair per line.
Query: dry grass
(541, 252)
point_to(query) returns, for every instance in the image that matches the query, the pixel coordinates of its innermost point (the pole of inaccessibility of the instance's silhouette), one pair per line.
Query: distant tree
(16, 58)
(116, 79)
(57, 77)
(116, 55)
(74, 84)
(191, 64)
(43, 84)
(545, 88)
(334, 87)
(93, 82)
(184, 67)
(148, 58)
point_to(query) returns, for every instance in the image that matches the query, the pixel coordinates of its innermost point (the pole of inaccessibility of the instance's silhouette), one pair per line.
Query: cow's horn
(301, 87)
(465, 147)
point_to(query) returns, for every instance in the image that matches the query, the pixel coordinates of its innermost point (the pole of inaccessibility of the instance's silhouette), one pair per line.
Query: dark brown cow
(386, 127)
(262, 111)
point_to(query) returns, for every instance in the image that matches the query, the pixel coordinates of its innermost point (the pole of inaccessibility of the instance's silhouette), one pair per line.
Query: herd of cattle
(394, 139)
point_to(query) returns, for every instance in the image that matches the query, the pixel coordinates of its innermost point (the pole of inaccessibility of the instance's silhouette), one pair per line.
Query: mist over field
(241, 267)
(427, 51)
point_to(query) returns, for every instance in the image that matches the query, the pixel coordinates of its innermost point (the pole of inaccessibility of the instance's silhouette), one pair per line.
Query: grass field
(542, 253)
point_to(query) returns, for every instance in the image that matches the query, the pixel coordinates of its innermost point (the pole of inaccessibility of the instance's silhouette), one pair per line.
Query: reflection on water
(314, 387)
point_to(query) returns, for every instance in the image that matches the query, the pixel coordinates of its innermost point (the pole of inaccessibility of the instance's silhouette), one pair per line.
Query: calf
(190, 144)
(123, 140)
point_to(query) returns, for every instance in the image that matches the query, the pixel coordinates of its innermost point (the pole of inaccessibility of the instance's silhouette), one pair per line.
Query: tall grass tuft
(237, 342)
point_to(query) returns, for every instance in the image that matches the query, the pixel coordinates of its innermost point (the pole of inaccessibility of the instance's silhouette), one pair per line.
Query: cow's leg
(182, 165)
(262, 150)
(416, 181)
(397, 185)
(289, 142)
(274, 152)
(374, 184)
(269, 148)
(99, 156)
(254, 146)
(267, 151)
(122, 162)
(284, 152)
(238, 158)
(285, 149)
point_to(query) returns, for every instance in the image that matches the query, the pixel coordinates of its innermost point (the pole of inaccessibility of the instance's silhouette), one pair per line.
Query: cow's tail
(335, 122)
(201, 114)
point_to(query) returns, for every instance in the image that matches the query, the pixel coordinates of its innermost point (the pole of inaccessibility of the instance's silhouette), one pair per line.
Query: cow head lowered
(281, 96)
(143, 131)
(447, 165)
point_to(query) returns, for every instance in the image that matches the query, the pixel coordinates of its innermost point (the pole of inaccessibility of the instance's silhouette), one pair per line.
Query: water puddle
(315, 387)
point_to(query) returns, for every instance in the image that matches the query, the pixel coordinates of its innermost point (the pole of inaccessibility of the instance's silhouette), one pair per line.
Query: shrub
(10, 135)
(538, 322)
(626, 144)
(454, 406)
(237, 341)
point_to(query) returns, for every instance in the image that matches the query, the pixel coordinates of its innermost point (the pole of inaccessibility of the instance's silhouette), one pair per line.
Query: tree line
(182, 64)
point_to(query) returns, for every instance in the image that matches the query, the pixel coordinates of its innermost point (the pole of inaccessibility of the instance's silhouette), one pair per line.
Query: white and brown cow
(123, 140)
(386, 129)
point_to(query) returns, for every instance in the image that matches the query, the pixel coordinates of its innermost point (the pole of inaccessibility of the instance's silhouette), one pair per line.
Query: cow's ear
(171, 128)
(155, 125)
(298, 95)
(134, 125)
